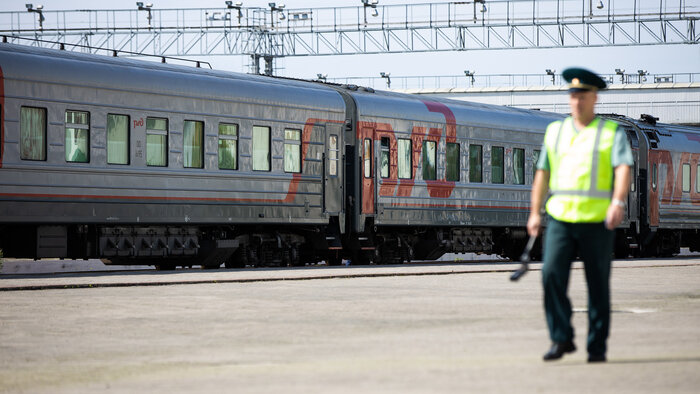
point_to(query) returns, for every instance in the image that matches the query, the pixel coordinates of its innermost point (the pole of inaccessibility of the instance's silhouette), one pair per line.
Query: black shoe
(596, 358)
(558, 349)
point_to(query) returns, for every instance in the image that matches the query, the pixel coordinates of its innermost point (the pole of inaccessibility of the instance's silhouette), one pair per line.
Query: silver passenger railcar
(143, 162)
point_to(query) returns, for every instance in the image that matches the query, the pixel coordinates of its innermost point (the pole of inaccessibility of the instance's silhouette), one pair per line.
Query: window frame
(536, 153)
(454, 165)
(333, 155)
(685, 187)
(501, 168)
(269, 149)
(367, 157)
(165, 133)
(128, 139)
(44, 149)
(522, 166)
(201, 147)
(385, 151)
(77, 126)
(472, 172)
(400, 142)
(424, 154)
(297, 144)
(227, 137)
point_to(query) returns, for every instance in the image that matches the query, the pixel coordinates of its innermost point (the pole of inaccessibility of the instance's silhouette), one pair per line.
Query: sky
(663, 59)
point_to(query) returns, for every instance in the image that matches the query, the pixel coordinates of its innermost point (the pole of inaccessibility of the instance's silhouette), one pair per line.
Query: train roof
(80, 69)
(408, 106)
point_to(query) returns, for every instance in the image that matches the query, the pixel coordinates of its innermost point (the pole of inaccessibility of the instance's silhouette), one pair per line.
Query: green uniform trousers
(563, 243)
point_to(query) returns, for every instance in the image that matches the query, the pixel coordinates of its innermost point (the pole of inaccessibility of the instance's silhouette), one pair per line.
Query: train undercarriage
(168, 247)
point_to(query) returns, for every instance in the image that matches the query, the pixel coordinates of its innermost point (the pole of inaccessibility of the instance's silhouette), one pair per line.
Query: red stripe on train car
(416, 205)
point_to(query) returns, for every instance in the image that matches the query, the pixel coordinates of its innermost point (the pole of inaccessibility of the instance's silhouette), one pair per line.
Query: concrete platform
(459, 328)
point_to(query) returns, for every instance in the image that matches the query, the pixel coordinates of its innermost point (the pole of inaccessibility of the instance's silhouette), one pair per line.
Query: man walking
(585, 164)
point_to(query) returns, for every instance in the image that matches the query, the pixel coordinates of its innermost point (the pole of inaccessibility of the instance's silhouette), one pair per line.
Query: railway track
(151, 277)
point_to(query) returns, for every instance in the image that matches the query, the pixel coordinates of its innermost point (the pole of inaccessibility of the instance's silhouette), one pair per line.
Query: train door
(333, 177)
(632, 196)
(368, 170)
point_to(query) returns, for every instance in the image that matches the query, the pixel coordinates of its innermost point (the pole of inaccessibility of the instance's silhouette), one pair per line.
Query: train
(138, 162)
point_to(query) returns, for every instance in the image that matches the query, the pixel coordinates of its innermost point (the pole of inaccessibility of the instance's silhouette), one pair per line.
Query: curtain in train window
(654, 174)
(497, 164)
(452, 162)
(475, 163)
(429, 153)
(156, 142)
(193, 147)
(117, 139)
(261, 148)
(228, 146)
(686, 177)
(32, 133)
(519, 166)
(77, 145)
(385, 159)
(535, 159)
(368, 157)
(292, 150)
(333, 155)
(405, 159)
(697, 179)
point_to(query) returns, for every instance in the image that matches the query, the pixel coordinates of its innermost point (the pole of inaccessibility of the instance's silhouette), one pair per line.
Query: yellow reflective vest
(581, 172)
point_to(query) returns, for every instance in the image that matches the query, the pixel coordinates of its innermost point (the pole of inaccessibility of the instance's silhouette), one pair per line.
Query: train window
(193, 144)
(475, 163)
(368, 157)
(77, 147)
(535, 159)
(452, 157)
(633, 181)
(292, 150)
(654, 173)
(496, 164)
(117, 139)
(228, 146)
(686, 177)
(518, 166)
(697, 179)
(32, 134)
(333, 155)
(429, 168)
(385, 159)
(405, 159)
(157, 142)
(261, 148)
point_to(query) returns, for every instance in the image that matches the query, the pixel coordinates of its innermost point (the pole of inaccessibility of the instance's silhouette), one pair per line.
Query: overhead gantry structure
(275, 31)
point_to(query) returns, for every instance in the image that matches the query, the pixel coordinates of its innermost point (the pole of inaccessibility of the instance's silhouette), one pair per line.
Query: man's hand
(533, 224)
(539, 190)
(616, 210)
(614, 216)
